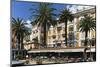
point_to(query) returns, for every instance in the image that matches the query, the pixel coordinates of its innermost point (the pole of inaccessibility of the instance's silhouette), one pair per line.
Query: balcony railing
(59, 28)
(54, 36)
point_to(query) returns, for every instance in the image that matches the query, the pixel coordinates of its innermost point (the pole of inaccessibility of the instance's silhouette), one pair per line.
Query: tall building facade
(75, 38)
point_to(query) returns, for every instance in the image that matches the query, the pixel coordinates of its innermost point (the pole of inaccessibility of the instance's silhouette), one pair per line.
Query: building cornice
(81, 13)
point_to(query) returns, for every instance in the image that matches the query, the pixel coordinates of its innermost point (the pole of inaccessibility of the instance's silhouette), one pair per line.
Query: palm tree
(13, 40)
(86, 25)
(44, 17)
(20, 30)
(66, 16)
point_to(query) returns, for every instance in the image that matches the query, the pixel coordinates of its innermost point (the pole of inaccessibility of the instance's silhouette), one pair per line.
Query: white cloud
(29, 24)
(28, 21)
(76, 8)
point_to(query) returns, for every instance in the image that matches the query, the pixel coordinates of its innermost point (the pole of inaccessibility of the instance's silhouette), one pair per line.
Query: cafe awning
(61, 50)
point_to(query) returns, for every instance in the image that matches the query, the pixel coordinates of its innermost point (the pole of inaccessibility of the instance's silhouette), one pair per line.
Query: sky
(20, 9)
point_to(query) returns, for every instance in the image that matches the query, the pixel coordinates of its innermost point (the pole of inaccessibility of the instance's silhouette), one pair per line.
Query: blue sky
(20, 9)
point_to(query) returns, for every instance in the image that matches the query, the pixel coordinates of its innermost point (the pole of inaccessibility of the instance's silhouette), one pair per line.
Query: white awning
(60, 50)
(17, 62)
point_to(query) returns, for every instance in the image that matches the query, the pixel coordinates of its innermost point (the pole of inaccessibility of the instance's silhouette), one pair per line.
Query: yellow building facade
(56, 34)
(75, 38)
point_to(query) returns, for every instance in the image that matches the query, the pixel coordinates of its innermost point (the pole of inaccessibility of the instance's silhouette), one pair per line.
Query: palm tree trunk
(90, 49)
(44, 34)
(66, 33)
(14, 40)
(86, 34)
(22, 46)
(18, 37)
(90, 52)
(85, 44)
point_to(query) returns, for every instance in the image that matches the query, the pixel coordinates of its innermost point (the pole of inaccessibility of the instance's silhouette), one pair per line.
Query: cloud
(76, 8)
(28, 21)
(29, 24)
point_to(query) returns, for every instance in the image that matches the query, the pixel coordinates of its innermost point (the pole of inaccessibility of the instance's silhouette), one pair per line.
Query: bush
(19, 57)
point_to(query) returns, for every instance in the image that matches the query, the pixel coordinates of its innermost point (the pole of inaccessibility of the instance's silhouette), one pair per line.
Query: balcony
(71, 28)
(59, 28)
(63, 35)
(54, 36)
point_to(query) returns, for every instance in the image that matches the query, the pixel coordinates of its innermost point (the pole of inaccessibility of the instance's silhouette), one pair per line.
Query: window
(36, 31)
(54, 31)
(54, 36)
(70, 28)
(93, 34)
(82, 35)
(93, 41)
(63, 35)
(71, 36)
(59, 28)
(49, 37)
(82, 42)
(77, 26)
(77, 36)
(33, 32)
(49, 31)
(58, 36)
